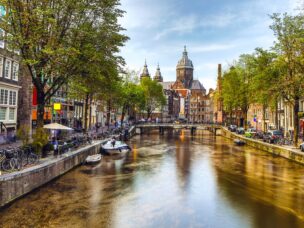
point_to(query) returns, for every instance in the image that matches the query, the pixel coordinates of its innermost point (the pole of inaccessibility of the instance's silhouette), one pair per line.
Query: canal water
(171, 180)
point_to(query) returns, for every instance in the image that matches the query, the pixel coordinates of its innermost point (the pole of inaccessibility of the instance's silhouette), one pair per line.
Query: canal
(171, 180)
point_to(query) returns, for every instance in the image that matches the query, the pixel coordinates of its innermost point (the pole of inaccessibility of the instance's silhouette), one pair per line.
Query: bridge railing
(149, 124)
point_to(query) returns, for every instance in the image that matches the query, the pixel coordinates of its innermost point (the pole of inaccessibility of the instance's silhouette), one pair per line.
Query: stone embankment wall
(289, 153)
(17, 184)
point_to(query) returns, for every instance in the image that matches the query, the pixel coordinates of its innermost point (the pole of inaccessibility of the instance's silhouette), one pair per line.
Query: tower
(219, 104)
(145, 72)
(158, 77)
(184, 70)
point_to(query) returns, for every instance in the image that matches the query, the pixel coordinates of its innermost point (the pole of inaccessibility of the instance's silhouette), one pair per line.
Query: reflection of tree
(257, 183)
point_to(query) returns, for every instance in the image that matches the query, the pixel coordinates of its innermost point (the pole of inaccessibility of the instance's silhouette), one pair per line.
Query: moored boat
(93, 159)
(239, 142)
(118, 147)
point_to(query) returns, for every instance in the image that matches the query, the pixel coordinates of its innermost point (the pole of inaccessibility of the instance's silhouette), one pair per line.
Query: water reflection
(170, 180)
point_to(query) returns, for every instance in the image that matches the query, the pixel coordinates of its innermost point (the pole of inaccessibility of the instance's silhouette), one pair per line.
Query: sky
(214, 31)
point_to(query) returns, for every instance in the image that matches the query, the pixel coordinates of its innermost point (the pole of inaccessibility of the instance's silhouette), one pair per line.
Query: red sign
(34, 98)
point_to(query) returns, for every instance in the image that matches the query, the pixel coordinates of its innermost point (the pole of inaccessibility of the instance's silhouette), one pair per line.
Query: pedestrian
(55, 145)
(113, 141)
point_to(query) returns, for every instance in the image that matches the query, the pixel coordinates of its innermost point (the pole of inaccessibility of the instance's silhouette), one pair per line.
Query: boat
(119, 147)
(93, 159)
(239, 142)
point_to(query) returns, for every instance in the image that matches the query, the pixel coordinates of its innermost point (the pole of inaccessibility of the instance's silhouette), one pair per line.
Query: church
(194, 104)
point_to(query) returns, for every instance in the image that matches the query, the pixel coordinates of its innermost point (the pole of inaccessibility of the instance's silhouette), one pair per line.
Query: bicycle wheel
(32, 158)
(6, 166)
(15, 163)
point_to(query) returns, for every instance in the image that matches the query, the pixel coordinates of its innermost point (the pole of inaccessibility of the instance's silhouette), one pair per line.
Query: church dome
(185, 62)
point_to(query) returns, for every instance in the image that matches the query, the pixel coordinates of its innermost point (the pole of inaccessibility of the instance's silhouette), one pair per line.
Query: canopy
(57, 126)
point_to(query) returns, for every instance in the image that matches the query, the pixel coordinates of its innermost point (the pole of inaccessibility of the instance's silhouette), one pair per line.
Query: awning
(57, 126)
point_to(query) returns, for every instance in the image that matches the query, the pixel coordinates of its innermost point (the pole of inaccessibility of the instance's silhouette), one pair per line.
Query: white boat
(92, 159)
(119, 147)
(239, 142)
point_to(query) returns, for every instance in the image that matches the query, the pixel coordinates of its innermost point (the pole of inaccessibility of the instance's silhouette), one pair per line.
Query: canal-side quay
(17, 184)
(291, 153)
(14, 185)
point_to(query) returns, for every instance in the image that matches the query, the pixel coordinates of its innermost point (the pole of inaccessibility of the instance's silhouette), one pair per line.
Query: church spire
(145, 72)
(158, 77)
(185, 50)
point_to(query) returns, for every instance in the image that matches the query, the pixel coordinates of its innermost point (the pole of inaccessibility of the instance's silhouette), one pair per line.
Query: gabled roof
(166, 85)
(196, 84)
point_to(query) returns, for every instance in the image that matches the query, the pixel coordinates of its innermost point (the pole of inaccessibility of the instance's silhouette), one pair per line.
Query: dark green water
(173, 180)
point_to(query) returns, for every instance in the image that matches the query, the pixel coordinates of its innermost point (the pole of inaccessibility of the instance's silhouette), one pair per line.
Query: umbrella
(56, 126)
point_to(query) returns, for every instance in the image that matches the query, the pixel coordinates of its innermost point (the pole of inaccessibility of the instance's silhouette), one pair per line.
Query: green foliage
(23, 133)
(40, 139)
(264, 77)
(153, 94)
(60, 40)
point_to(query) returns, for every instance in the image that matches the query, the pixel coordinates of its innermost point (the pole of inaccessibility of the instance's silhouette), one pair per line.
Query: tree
(235, 90)
(154, 96)
(289, 31)
(45, 32)
(264, 84)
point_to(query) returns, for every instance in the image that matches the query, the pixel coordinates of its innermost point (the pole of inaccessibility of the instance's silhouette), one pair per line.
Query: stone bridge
(142, 128)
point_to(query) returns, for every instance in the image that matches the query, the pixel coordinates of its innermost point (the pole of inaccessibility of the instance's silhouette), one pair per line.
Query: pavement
(18, 143)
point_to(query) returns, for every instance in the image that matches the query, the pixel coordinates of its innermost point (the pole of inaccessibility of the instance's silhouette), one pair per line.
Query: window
(2, 96)
(1, 66)
(2, 113)
(7, 72)
(2, 34)
(11, 115)
(5, 96)
(15, 71)
(12, 98)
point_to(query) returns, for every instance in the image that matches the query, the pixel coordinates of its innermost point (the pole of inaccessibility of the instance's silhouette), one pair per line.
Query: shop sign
(57, 106)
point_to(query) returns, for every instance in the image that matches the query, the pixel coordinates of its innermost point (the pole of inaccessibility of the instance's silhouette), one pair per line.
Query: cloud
(214, 31)
(190, 23)
(211, 47)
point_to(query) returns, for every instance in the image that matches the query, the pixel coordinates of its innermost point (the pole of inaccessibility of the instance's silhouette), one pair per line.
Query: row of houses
(262, 118)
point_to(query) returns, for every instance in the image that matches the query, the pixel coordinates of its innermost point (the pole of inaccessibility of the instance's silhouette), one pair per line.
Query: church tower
(145, 72)
(158, 77)
(184, 70)
(219, 103)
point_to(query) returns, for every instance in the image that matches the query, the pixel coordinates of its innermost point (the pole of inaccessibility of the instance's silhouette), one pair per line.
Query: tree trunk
(90, 112)
(245, 119)
(40, 107)
(264, 118)
(276, 115)
(86, 105)
(108, 113)
(123, 114)
(230, 117)
(296, 121)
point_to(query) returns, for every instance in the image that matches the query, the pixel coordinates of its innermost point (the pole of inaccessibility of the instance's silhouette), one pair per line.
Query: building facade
(9, 86)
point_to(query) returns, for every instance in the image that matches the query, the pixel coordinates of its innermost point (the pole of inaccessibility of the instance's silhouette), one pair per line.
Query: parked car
(272, 136)
(250, 133)
(240, 130)
(232, 128)
(259, 135)
(302, 146)
(276, 134)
